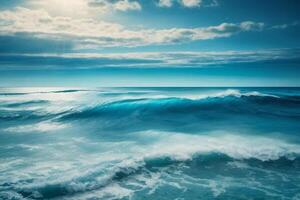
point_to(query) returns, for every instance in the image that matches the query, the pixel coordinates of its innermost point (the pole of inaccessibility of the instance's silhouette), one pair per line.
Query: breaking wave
(176, 153)
(230, 102)
(124, 173)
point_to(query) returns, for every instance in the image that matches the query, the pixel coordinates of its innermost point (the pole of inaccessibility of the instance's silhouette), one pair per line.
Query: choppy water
(150, 143)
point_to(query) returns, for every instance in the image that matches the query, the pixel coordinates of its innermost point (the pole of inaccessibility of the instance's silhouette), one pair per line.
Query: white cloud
(191, 3)
(120, 5)
(127, 5)
(187, 3)
(91, 33)
(83, 8)
(249, 25)
(74, 8)
(165, 3)
(285, 26)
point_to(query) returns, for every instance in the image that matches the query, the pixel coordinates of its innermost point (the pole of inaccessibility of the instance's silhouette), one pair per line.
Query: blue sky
(149, 43)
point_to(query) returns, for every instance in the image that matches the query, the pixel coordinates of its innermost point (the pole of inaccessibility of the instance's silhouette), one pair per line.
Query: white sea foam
(226, 93)
(39, 127)
(184, 146)
(11, 195)
(109, 192)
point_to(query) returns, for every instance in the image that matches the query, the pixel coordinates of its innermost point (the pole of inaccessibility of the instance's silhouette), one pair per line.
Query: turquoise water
(149, 143)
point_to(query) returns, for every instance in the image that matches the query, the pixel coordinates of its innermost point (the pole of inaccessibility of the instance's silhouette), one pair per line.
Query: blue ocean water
(149, 143)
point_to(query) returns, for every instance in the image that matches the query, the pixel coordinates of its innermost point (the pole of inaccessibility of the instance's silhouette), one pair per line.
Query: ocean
(149, 143)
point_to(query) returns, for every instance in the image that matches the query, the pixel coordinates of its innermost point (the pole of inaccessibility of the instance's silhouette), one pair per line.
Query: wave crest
(228, 102)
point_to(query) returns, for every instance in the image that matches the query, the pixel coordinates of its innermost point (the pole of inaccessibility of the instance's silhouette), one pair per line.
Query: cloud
(120, 5)
(145, 60)
(81, 8)
(88, 33)
(285, 26)
(191, 3)
(165, 3)
(74, 8)
(187, 3)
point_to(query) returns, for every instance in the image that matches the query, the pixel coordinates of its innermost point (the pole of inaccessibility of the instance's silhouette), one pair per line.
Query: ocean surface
(149, 143)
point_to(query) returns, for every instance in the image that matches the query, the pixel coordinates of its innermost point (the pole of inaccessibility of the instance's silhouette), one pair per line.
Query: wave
(238, 93)
(91, 182)
(165, 113)
(124, 172)
(119, 158)
(24, 103)
(190, 154)
(68, 91)
(229, 102)
(41, 92)
(134, 93)
(7, 115)
(12, 93)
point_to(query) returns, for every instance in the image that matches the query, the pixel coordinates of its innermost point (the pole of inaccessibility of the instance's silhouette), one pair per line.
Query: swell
(12, 93)
(171, 113)
(25, 103)
(7, 115)
(68, 91)
(23, 110)
(210, 106)
(223, 104)
(210, 163)
(47, 92)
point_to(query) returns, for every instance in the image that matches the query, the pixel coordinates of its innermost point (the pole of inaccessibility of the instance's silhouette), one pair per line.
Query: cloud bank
(145, 60)
(88, 33)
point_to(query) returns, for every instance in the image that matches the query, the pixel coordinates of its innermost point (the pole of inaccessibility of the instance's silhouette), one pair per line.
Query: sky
(105, 43)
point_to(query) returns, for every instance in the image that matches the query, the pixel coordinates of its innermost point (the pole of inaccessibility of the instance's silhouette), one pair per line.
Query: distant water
(150, 143)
